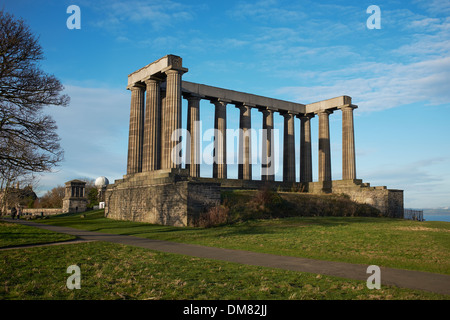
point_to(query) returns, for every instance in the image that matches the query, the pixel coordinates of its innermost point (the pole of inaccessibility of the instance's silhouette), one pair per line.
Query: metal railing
(411, 214)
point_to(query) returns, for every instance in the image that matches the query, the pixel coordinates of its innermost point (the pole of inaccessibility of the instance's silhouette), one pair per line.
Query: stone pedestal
(166, 197)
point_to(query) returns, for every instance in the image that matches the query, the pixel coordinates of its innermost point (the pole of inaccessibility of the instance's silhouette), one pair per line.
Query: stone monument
(157, 189)
(75, 197)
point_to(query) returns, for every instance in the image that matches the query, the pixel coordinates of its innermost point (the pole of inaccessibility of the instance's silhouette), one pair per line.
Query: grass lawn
(13, 234)
(113, 271)
(422, 246)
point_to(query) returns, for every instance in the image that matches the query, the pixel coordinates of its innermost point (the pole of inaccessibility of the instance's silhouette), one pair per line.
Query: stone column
(348, 143)
(305, 148)
(220, 140)
(324, 146)
(267, 156)
(152, 139)
(136, 130)
(245, 124)
(172, 119)
(193, 127)
(289, 148)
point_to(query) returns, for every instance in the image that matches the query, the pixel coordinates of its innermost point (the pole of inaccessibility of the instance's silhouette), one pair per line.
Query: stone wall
(388, 201)
(164, 197)
(74, 205)
(171, 197)
(42, 211)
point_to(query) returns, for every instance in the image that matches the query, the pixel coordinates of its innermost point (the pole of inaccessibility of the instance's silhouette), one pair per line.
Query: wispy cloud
(117, 15)
(267, 11)
(93, 134)
(397, 85)
(440, 7)
(422, 186)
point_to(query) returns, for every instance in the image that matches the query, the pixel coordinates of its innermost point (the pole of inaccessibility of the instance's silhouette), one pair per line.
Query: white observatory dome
(101, 182)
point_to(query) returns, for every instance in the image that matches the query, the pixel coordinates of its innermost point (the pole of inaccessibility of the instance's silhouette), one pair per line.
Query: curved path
(438, 283)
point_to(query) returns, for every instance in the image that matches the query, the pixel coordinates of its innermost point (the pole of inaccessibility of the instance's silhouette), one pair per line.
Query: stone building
(75, 197)
(156, 189)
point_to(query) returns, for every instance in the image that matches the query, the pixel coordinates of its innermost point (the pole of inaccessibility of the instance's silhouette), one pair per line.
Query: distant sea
(436, 217)
(441, 214)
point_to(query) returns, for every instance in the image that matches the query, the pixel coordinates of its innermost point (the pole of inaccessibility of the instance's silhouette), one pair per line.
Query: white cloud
(266, 11)
(94, 135)
(436, 7)
(396, 85)
(423, 181)
(117, 15)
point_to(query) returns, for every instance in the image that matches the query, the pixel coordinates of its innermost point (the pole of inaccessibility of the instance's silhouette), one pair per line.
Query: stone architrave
(245, 125)
(289, 148)
(324, 146)
(220, 140)
(193, 127)
(152, 126)
(136, 129)
(348, 143)
(267, 153)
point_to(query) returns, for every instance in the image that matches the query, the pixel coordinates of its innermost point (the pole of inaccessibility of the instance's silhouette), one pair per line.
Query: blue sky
(303, 51)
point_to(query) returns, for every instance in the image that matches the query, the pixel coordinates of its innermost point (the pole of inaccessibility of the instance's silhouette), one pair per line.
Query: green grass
(113, 271)
(13, 234)
(422, 246)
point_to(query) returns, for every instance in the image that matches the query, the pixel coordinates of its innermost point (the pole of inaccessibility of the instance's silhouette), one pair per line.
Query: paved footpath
(433, 282)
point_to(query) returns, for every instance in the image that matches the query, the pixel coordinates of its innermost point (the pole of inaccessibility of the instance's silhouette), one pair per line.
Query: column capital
(193, 97)
(347, 107)
(136, 85)
(244, 106)
(305, 116)
(220, 102)
(287, 114)
(152, 79)
(324, 111)
(265, 111)
(171, 70)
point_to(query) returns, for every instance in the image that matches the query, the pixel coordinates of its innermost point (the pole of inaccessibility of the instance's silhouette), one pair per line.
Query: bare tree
(10, 192)
(28, 138)
(53, 198)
